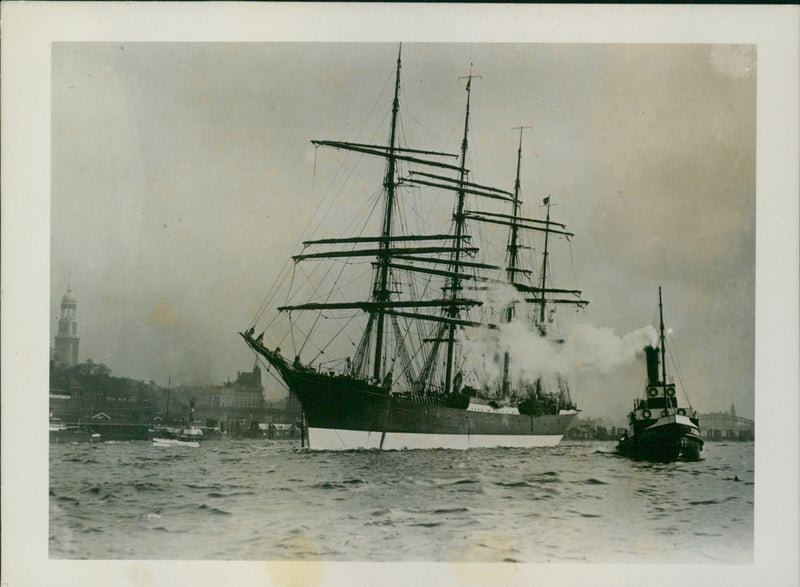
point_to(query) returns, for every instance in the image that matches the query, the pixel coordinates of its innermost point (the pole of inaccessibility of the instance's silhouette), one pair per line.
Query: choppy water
(266, 500)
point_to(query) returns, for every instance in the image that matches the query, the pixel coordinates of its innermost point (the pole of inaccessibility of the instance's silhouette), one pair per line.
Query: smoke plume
(532, 355)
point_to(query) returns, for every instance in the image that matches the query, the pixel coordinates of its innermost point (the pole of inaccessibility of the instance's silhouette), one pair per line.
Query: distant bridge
(721, 425)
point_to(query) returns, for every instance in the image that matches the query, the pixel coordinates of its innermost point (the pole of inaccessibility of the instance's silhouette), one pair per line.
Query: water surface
(270, 500)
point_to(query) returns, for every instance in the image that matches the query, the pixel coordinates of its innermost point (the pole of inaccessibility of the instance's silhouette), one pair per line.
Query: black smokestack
(652, 364)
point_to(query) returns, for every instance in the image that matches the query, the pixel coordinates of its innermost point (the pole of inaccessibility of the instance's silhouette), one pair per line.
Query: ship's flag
(547, 200)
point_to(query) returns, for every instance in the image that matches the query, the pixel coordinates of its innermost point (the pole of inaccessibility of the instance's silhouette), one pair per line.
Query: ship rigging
(428, 287)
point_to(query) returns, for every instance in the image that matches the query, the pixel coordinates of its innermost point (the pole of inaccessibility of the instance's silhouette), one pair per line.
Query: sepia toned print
(258, 251)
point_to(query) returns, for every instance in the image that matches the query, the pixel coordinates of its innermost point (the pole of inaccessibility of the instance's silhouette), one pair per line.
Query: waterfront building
(246, 392)
(237, 407)
(590, 429)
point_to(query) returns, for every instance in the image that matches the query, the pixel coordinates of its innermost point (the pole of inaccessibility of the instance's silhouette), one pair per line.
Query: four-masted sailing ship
(407, 383)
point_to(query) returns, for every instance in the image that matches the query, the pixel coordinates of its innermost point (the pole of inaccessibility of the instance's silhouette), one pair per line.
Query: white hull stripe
(333, 439)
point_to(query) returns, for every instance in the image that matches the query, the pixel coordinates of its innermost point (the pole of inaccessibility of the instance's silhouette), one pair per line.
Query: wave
(202, 486)
(449, 510)
(435, 511)
(147, 486)
(463, 482)
(231, 494)
(213, 510)
(547, 477)
(513, 484)
(712, 501)
(82, 460)
(327, 485)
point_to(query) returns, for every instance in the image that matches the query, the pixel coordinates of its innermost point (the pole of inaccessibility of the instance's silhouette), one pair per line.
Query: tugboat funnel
(652, 365)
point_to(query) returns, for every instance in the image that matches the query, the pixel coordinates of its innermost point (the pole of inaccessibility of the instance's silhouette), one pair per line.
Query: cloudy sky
(183, 178)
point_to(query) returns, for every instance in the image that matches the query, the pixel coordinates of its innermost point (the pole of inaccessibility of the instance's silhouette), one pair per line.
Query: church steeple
(66, 342)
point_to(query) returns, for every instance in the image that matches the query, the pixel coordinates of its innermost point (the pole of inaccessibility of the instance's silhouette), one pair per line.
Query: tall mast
(663, 346)
(381, 290)
(455, 282)
(544, 264)
(513, 249)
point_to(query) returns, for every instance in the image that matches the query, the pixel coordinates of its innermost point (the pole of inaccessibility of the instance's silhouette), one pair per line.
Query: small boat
(175, 442)
(659, 429)
(178, 436)
(61, 433)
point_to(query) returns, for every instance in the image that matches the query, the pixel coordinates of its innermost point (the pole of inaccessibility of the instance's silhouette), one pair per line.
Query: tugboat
(658, 428)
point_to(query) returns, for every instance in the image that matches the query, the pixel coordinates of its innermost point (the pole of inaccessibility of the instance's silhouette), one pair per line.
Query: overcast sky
(183, 178)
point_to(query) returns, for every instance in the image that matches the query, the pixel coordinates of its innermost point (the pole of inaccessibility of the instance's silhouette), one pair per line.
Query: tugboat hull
(669, 439)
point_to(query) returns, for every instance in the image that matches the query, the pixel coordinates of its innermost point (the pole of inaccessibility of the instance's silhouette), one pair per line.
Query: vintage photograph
(438, 302)
(308, 294)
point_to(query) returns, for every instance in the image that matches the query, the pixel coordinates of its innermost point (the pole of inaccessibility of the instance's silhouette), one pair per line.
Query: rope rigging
(416, 344)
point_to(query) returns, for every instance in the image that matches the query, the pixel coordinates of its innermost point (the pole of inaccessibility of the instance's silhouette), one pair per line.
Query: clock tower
(66, 350)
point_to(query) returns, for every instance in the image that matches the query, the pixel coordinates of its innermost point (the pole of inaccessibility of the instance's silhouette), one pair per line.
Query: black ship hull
(671, 438)
(345, 413)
